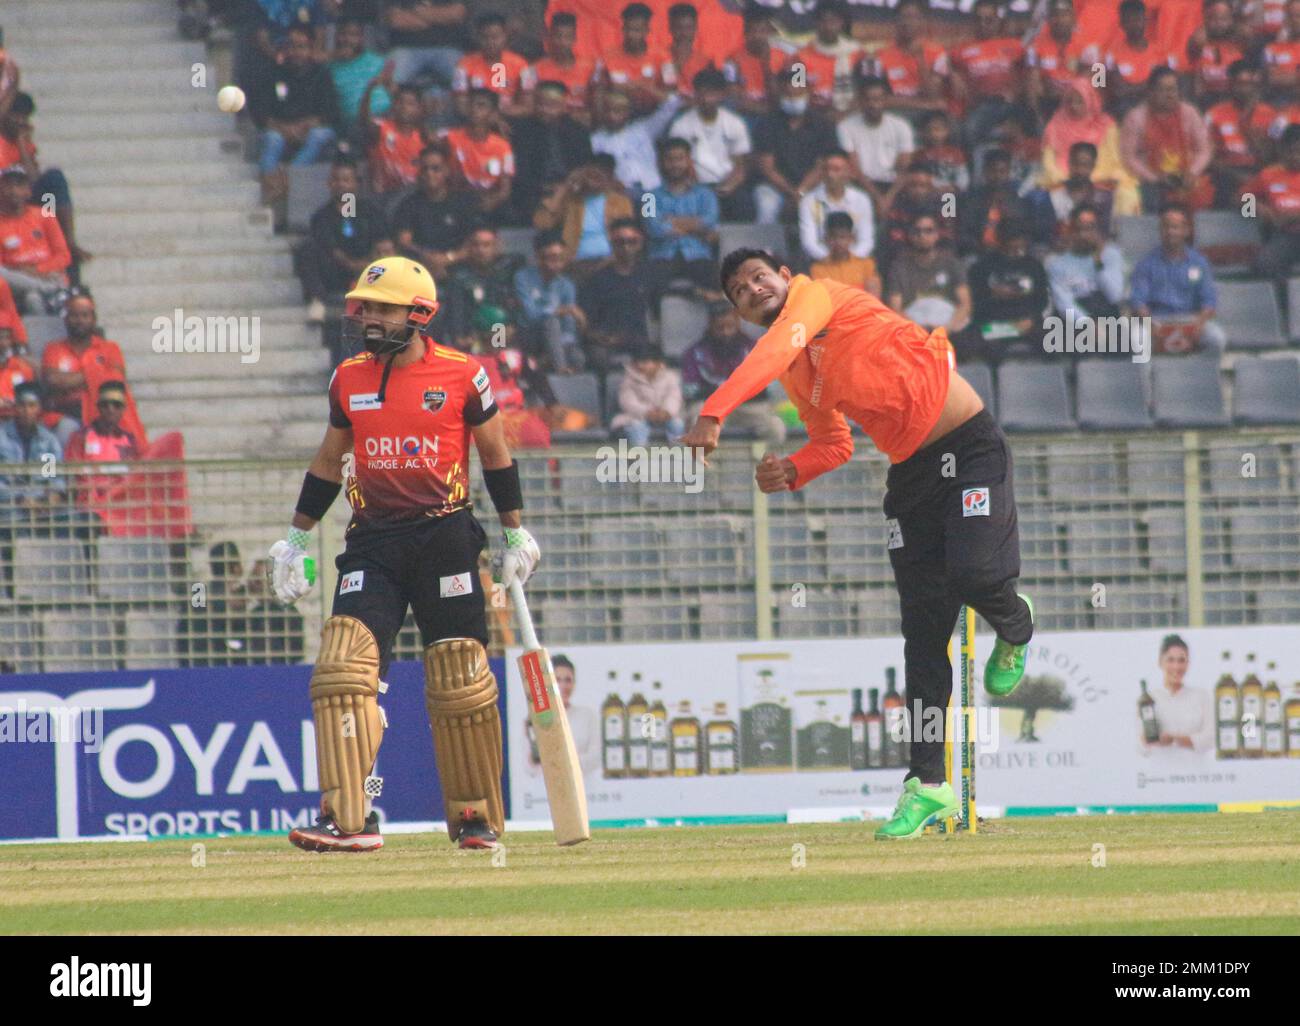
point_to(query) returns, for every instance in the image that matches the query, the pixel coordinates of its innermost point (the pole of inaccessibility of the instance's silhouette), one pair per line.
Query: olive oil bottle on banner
(638, 733)
(613, 731)
(822, 736)
(661, 757)
(1147, 713)
(1274, 726)
(766, 717)
(1252, 712)
(1227, 713)
(857, 733)
(898, 752)
(721, 745)
(685, 733)
(1291, 711)
(875, 732)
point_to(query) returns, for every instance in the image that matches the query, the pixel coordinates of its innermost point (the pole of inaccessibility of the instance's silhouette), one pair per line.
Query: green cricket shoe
(917, 808)
(1006, 663)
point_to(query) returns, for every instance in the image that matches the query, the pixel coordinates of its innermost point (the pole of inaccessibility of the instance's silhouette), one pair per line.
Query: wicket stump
(969, 819)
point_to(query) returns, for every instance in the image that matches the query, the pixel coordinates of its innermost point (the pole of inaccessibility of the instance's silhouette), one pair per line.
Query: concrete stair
(171, 210)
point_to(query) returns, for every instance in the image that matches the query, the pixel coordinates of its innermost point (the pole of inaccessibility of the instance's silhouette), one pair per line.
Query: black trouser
(956, 542)
(430, 565)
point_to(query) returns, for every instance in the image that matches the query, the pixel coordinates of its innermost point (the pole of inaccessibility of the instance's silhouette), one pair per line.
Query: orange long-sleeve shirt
(841, 353)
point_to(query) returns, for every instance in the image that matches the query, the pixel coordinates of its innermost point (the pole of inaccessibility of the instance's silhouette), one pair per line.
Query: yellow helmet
(398, 281)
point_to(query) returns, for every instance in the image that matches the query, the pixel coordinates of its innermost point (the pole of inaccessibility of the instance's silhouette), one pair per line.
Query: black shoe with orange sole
(475, 834)
(326, 836)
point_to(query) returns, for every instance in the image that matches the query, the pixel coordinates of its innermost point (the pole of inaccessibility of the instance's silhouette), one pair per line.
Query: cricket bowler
(406, 409)
(950, 508)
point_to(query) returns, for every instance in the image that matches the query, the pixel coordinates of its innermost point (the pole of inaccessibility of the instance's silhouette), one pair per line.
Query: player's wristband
(503, 487)
(317, 496)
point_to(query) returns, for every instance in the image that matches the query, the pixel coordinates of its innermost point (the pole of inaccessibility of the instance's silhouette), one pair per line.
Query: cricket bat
(565, 792)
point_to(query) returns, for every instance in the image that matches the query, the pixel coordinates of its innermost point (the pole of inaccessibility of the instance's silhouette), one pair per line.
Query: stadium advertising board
(718, 730)
(166, 752)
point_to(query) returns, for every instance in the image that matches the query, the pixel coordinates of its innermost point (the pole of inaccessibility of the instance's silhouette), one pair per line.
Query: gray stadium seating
(41, 331)
(626, 552)
(572, 622)
(1042, 546)
(84, 639)
(150, 640)
(1265, 539)
(683, 323)
(50, 571)
(132, 569)
(1266, 391)
(1111, 396)
(1278, 605)
(726, 617)
(1075, 471)
(1102, 545)
(722, 547)
(612, 382)
(581, 391)
(850, 544)
(1229, 241)
(824, 614)
(1034, 396)
(1166, 540)
(1225, 606)
(1187, 392)
(1248, 311)
(308, 192)
(1137, 236)
(1293, 305)
(20, 644)
(980, 377)
(1154, 475)
(765, 236)
(564, 561)
(652, 619)
(794, 559)
(1222, 470)
(517, 241)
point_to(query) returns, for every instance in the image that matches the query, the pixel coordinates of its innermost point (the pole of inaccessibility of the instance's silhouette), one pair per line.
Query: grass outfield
(1175, 874)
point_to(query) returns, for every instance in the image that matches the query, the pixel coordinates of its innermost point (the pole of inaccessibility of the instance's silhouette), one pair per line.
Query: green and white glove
(293, 572)
(519, 559)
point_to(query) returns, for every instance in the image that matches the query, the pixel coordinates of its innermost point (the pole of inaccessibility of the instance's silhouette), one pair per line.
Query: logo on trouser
(351, 582)
(895, 533)
(458, 584)
(974, 502)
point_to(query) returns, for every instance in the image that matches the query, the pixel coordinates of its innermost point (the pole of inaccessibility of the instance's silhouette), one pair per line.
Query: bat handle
(525, 618)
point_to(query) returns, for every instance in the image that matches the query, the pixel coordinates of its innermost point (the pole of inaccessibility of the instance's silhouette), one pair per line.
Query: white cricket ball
(231, 99)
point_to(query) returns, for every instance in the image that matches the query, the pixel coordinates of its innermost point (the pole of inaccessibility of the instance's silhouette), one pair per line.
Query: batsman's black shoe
(475, 834)
(326, 836)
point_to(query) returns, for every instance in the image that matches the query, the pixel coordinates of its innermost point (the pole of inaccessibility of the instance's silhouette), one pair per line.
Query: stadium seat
(980, 376)
(41, 331)
(1265, 539)
(20, 642)
(1166, 540)
(50, 571)
(581, 391)
(150, 640)
(850, 544)
(132, 569)
(1074, 471)
(82, 639)
(721, 546)
(878, 611)
(824, 614)
(1249, 313)
(1225, 469)
(1278, 605)
(540, 482)
(626, 552)
(1229, 241)
(1102, 545)
(583, 491)
(564, 556)
(612, 382)
(1266, 391)
(516, 241)
(1143, 605)
(794, 559)
(653, 619)
(1111, 396)
(1293, 305)
(1187, 392)
(1226, 606)
(763, 236)
(308, 192)
(683, 321)
(727, 617)
(573, 622)
(1154, 473)
(1042, 546)
(1034, 396)
(1137, 236)
(1215, 540)
(851, 486)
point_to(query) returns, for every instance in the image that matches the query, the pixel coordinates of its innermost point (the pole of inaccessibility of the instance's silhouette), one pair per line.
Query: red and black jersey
(412, 450)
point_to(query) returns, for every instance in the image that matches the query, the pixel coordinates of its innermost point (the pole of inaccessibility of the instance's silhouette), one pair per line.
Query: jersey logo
(457, 584)
(364, 401)
(374, 274)
(974, 502)
(433, 399)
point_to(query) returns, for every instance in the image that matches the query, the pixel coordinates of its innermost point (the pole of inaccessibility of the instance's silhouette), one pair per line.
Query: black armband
(317, 496)
(503, 487)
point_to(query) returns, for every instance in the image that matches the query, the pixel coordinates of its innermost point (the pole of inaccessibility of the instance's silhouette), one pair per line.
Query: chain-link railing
(163, 564)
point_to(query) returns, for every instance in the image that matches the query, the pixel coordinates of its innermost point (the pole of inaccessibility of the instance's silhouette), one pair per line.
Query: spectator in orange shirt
(17, 147)
(14, 370)
(562, 64)
(74, 367)
(1277, 191)
(685, 59)
(34, 258)
(493, 67)
(841, 265)
(830, 60)
(104, 440)
(1131, 57)
(987, 71)
(1282, 56)
(636, 66)
(393, 143)
(11, 324)
(1239, 129)
(917, 71)
(1057, 54)
(1213, 49)
(752, 68)
(484, 159)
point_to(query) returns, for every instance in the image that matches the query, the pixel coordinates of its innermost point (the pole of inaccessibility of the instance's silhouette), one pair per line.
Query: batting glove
(293, 572)
(519, 559)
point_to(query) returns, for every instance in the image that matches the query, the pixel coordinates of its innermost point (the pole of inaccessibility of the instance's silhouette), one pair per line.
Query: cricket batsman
(949, 505)
(405, 409)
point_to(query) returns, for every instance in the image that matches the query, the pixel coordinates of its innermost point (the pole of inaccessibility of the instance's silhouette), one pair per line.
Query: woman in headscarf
(1080, 119)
